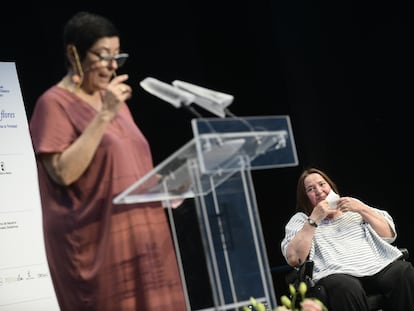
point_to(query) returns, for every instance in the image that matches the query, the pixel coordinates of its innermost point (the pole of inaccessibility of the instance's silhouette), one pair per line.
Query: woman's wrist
(312, 222)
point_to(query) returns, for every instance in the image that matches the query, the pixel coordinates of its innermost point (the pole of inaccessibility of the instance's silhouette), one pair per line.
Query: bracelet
(312, 222)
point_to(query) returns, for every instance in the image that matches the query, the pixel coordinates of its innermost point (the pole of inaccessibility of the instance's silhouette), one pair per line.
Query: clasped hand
(344, 204)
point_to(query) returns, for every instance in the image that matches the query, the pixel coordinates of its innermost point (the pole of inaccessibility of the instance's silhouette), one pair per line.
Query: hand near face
(347, 204)
(322, 210)
(115, 94)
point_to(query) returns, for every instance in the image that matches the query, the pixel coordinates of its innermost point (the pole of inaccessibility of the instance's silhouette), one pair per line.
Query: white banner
(25, 282)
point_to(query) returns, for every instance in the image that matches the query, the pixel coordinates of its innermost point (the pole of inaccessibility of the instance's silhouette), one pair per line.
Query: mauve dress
(103, 256)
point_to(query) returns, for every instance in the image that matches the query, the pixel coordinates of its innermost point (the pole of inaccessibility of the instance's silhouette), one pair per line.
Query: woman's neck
(92, 98)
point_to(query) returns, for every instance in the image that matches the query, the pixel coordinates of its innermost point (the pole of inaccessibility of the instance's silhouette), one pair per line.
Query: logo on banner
(7, 117)
(3, 169)
(3, 90)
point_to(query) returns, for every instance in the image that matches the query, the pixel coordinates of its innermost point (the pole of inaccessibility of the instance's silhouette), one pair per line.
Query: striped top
(346, 244)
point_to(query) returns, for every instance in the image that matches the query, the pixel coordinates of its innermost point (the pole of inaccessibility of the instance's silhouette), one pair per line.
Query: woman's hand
(322, 211)
(115, 94)
(376, 220)
(347, 204)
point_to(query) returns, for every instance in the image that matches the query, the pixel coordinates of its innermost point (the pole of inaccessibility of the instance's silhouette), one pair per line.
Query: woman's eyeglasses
(106, 58)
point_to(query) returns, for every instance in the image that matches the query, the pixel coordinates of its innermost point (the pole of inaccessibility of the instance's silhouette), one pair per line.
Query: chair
(304, 272)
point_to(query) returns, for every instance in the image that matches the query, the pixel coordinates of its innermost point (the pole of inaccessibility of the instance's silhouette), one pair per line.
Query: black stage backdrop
(341, 71)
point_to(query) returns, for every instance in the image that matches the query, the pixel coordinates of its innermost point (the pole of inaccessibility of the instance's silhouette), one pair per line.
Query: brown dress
(103, 256)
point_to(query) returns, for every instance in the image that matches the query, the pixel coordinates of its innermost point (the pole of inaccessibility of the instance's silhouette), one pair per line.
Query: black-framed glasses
(108, 58)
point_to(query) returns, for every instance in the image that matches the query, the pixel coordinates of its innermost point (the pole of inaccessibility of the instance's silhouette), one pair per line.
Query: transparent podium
(211, 177)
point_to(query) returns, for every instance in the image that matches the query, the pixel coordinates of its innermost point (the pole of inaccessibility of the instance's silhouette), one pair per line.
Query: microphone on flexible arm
(210, 100)
(218, 102)
(181, 99)
(213, 101)
(183, 94)
(176, 97)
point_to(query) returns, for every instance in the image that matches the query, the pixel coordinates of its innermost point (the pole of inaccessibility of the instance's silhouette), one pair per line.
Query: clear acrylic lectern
(214, 171)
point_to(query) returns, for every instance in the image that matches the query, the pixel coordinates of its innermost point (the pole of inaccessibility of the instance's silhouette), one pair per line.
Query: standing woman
(88, 149)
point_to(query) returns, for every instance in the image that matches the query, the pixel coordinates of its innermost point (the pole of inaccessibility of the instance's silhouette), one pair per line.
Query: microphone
(176, 97)
(212, 101)
(183, 94)
(215, 154)
(167, 92)
(217, 103)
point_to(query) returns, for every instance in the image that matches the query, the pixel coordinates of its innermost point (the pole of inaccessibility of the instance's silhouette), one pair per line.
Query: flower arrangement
(306, 304)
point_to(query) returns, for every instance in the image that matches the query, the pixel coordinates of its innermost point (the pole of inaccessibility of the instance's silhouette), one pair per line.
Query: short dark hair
(83, 29)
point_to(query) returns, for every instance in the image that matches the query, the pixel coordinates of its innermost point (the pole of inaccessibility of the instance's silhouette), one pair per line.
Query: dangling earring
(77, 77)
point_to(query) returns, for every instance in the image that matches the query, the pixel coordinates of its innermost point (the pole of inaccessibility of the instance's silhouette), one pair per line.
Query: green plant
(298, 298)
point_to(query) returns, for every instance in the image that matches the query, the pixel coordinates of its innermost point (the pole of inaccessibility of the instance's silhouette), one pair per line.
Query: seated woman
(350, 244)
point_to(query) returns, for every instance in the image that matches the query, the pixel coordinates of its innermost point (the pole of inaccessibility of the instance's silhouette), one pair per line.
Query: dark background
(341, 70)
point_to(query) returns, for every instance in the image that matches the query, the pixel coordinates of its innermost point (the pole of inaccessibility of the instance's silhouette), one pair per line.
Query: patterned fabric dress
(103, 256)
